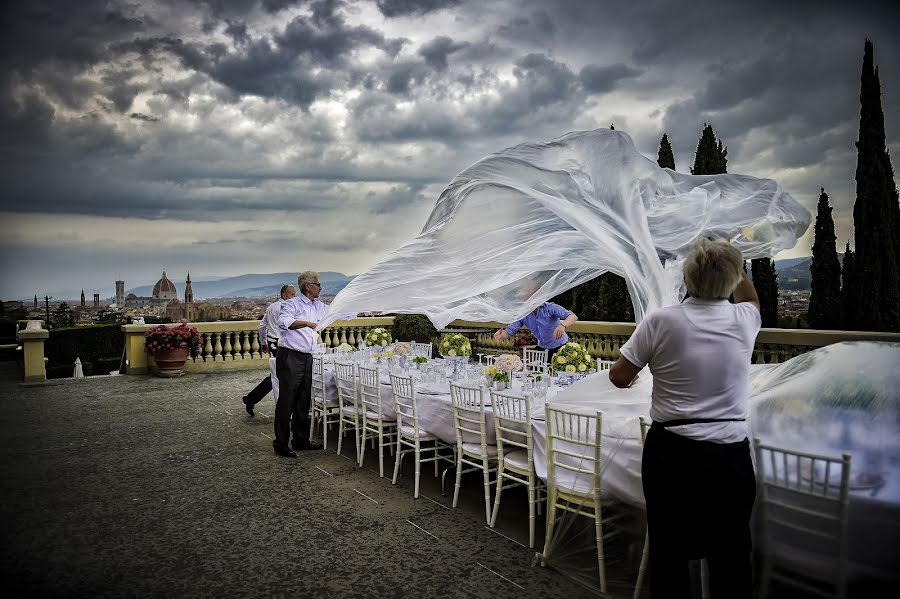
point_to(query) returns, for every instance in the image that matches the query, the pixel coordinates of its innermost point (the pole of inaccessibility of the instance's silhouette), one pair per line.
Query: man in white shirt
(268, 338)
(297, 322)
(697, 473)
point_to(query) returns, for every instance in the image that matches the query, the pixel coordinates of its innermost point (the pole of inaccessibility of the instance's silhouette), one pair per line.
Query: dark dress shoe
(248, 406)
(283, 451)
(305, 445)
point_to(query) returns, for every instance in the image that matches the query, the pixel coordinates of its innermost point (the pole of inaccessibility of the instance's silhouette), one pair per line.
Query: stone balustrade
(236, 345)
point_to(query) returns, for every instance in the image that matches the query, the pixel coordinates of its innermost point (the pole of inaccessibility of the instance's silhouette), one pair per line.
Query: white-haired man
(293, 365)
(269, 332)
(697, 473)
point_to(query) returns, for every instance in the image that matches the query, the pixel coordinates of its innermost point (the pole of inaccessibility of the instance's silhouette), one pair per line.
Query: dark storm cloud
(599, 79)
(437, 50)
(405, 8)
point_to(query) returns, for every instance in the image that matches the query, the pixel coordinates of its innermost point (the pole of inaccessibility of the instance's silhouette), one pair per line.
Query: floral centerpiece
(509, 363)
(170, 347)
(454, 345)
(403, 348)
(420, 360)
(497, 375)
(571, 359)
(344, 348)
(378, 337)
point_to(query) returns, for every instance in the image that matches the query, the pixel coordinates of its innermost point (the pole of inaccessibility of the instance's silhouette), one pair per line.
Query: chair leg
(497, 495)
(459, 469)
(340, 433)
(380, 451)
(418, 467)
(551, 521)
(361, 449)
(531, 509)
(642, 570)
(704, 579)
(598, 523)
(486, 471)
(397, 457)
(312, 421)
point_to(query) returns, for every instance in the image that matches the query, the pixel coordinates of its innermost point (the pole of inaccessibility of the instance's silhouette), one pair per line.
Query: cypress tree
(849, 310)
(614, 299)
(765, 280)
(711, 157)
(876, 214)
(665, 159)
(825, 299)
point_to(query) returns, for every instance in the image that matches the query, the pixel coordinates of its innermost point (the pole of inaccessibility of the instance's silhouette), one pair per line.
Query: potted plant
(170, 346)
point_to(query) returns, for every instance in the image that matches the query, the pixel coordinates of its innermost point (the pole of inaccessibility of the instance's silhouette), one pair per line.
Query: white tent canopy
(527, 223)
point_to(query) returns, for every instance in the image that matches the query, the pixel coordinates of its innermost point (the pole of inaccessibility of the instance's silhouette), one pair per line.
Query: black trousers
(699, 501)
(264, 387)
(294, 372)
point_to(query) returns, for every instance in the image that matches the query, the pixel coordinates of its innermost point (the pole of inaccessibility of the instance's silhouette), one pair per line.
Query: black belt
(682, 422)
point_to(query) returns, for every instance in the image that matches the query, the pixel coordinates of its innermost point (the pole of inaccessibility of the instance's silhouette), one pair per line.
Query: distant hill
(253, 285)
(794, 274)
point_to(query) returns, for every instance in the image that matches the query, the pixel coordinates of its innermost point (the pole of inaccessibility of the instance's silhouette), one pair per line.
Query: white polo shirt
(699, 353)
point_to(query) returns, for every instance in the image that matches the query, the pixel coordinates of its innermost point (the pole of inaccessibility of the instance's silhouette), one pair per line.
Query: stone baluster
(239, 344)
(343, 335)
(207, 347)
(226, 354)
(255, 345)
(217, 348)
(351, 338)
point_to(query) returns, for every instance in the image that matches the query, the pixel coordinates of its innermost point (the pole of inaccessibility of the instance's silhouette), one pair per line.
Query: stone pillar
(96, 300)
(33, 337)
(135, 357)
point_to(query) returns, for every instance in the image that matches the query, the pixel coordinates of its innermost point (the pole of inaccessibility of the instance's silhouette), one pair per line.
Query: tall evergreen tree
(765, 280)
(665, 159)
(825, 299)
(849, 311)
(711, 158)
(876, 213)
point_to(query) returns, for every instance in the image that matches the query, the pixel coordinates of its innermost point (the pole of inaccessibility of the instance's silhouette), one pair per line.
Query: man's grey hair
(306, 277)
(713, 269)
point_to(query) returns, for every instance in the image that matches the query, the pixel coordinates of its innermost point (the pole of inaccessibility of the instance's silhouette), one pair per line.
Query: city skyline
(239, 136)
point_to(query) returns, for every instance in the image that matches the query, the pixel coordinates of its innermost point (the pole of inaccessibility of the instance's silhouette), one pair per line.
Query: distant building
(163, 292)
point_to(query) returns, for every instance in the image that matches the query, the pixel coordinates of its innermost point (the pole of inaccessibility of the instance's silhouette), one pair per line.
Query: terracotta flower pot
(171, 361)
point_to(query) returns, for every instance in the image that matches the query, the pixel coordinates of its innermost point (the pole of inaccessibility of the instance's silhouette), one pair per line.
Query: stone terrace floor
(141, 486)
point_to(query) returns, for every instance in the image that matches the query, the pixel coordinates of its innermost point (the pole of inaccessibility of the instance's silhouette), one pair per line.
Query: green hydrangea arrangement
(378, 337)
(572, 359)
(454, 345)
(420, 360)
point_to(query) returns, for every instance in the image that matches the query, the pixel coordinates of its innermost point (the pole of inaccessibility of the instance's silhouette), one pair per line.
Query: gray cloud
(265, 112)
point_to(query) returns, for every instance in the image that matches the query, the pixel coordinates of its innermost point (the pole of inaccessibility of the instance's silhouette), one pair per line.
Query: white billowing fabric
(699, 352)
(525, 224)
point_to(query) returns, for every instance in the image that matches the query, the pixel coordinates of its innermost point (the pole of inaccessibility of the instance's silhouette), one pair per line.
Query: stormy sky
(236, 136)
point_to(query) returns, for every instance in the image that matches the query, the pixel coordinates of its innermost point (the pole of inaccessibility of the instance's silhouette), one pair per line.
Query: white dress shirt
(300, 308)
(268, 326)
(699, 354)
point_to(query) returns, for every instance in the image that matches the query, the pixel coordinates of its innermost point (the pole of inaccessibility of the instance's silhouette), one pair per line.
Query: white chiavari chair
(348, 396)
(421, 349)
(469, 420)
(515, 453)
(535, 360)
(410, 435)
(604, 364)
(375, 425)
(573, 448)
(323, 410)
(804, 500)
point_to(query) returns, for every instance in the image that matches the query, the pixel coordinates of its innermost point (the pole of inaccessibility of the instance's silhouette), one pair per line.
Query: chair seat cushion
(328, 402)
(374, 416)
(517, 459)
(351, 410)
(476, 449)
(408, 431)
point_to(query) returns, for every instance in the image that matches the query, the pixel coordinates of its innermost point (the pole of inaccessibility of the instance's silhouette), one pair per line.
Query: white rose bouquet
(378, 337)
(402, 349)
(344, 348)
(572, 359)
(454, 345)
(509, 363)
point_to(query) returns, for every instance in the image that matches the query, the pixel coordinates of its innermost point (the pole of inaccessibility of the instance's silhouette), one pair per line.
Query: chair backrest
(404, 392)
(512, 420)
(535, 360)
(369, 391)
(804, 502)
(468, 412)
(345, 377)
(318, 377)
(573, 446)
(421, 349)
(604, 364)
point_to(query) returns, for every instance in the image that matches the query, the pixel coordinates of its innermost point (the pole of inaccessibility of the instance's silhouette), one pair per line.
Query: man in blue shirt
(548, 322)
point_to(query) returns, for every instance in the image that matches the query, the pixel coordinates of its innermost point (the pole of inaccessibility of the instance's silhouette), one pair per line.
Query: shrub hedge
(98, 346)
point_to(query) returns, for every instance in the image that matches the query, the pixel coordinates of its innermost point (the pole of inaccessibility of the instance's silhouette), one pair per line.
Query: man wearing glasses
(293, 365)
